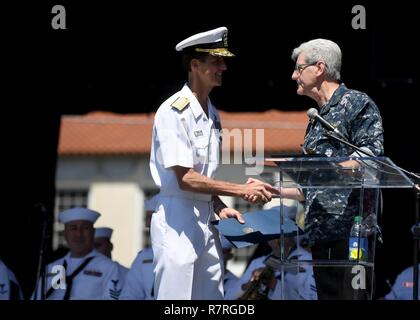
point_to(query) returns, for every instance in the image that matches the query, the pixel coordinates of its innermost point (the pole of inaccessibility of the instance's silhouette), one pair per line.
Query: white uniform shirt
(123, 271)
(403, 286)
(139, 279)
(186, 138)
(297, 285)
(99, 280)
(7, 280)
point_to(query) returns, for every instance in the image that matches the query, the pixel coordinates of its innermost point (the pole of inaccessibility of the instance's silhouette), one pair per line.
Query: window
(66, 199)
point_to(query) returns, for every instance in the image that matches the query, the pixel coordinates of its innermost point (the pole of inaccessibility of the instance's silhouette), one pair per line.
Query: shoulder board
(180, 103)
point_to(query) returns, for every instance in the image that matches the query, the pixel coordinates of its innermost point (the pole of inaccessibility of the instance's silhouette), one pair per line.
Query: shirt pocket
(201, 146)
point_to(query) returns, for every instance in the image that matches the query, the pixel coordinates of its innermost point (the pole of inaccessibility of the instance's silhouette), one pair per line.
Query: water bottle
(358, 242)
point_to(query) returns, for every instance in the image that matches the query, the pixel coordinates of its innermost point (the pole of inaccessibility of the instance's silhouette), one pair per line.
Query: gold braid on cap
(216, 51)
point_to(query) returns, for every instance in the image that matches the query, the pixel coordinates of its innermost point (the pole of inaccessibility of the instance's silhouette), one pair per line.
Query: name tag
(93, 273)
(147, 260)
(198, 133)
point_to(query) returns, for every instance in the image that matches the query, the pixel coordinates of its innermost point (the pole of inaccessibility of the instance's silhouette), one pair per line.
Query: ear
(194, 64)
(321, 68)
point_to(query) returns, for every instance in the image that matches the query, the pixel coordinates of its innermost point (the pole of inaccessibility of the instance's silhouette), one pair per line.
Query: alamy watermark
(58, 281)
(359, 20)
(359, 280)
(247, 148)
(59, 19)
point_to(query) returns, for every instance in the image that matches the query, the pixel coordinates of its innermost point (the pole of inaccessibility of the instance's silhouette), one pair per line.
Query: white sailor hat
(150, 204)
(78, 214)
(103, 232)
(213, 42)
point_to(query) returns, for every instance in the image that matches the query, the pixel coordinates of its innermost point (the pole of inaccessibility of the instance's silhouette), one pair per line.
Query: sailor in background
(9, 286)
(299, 282)
(259, 281)
(139, 280)
(103, 244)
(403, 285)
(83, 273)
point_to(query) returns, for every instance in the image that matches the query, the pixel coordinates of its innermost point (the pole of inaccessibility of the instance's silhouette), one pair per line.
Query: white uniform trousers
(188, 263)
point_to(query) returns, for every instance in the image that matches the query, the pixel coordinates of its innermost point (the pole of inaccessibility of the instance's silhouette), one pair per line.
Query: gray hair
(321, 49)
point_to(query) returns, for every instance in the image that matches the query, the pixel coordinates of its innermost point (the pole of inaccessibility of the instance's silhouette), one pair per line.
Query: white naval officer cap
(78, 213)
(103, 232)
(213, 42)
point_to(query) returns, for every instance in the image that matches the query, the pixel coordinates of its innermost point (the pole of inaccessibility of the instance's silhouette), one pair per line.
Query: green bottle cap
(358, 219)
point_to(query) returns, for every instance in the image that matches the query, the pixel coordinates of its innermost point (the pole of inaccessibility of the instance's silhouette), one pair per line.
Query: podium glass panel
(333, 192)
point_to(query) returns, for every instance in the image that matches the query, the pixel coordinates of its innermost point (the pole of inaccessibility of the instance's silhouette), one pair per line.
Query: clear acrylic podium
(329, 175)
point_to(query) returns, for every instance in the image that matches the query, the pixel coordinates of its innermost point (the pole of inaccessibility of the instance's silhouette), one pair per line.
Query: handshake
(256, 191)
(253, 191)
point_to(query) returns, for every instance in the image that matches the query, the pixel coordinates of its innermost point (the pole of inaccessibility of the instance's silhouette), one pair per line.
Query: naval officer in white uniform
(83, 273)
(186, 146)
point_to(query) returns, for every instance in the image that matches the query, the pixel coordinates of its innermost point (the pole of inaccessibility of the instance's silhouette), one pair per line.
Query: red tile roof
(105, 133)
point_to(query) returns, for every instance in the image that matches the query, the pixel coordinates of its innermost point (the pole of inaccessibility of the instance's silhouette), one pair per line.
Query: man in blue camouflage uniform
(329, 212)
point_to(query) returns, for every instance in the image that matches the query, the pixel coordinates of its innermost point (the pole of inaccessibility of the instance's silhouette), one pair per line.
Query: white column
(121, 208)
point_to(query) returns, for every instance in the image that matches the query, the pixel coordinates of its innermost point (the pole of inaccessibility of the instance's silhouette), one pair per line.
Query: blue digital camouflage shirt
(329, 212)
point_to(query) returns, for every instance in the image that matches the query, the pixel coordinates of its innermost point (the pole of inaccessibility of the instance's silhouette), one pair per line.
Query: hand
(231, 213)
(267, 186)
(269, 282)
(259, 191)
(350, 164)
(256, 274)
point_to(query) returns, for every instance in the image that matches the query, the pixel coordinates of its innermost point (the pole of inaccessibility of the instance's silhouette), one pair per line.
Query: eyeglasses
(300, 67)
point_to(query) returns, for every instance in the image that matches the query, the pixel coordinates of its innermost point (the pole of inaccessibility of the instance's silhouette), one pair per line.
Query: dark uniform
(329, 212)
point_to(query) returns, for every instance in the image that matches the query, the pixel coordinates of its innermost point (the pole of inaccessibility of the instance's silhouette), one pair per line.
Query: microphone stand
(331, 135)
(40, 276)
(416, 229)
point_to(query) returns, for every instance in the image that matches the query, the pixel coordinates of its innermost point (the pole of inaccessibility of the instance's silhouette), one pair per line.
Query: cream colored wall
(121, 208)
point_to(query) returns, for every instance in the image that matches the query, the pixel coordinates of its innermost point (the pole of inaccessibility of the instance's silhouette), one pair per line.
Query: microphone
(314, 115)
